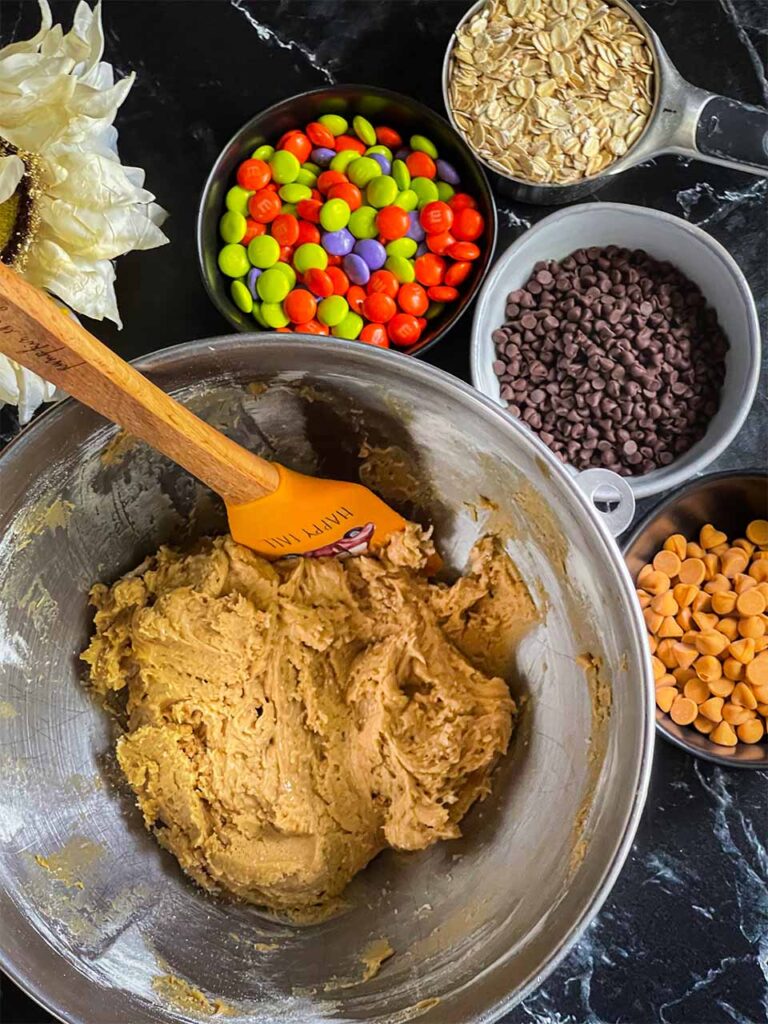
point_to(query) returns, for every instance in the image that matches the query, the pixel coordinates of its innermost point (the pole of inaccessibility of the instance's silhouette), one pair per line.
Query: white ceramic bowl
(670, 238)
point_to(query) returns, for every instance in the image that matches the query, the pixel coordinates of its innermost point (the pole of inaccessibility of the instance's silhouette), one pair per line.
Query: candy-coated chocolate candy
(264, 206)
(251, 278)
(363, 170)
(233, 260)
(379, 307)
(457, 273)
(241, 297)
(232, 226)
(375, 334)
(264, 153)
(401, 174)
(364, 130)
(308, 233)
(350, 193)
(444, 191)
(383, 281)
(421, 144)
(372, 252)
(294, 193)
(412, 298)
(328, 179)
(339, 280)
(287, 271)
(434, 309)
(356, 297)
(436, 217)
(272, 286)
(285, 229)
(388, 137)
(401, 247)
(402, 268)
(421, 165)
(342, 160)
(273, 315)
(319, 134)
(463, 251)
(381, 191)
(256, 311)
(461, 200)
(443, 293)
(313, 327)
(263, 251)
(447, 172)
(308, 256)
(362, 222)
(347, 142)
(407, 200)
(440, 242)
(300, 305)
(323, 155)
(335, 123)
(425, 190)
(468, 224)
(430, 269)
(237, 199)
(338, 243)
(253, 175)
(381, 160)
(392, 222)
(285, 167)
(319, 282)
(252, 229)
(331, 311)
(356, 269)
(404, 329)
(349, 328)
(415, 229)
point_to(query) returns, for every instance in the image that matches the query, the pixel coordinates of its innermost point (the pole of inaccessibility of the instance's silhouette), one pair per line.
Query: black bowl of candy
(349, 211)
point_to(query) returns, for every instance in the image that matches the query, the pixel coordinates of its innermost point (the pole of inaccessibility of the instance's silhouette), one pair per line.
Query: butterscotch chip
(752, 625)
(684, 618)
(703, 725)
(717, 584)
(743, 697)
(711, 565)
(706, 621)
(757, 670)
(733, 561)
(742, 650)
(723, 735)
(709, 537)
(669, 628)
(721, 687)
(711, 642)
(708, 668)
(734, 714)
(723, 602)
(682, 675)
(697, 690)
(761, 695)
(666, 654)
(652, 619)
(712, 709)
(666, 680)
(683, 710)
(665, 697)
(750, 602)
(677, 543)
(658, 668)
(685, 654)
(762, 709)
(684, 593)
(702, 602)
(652, 643)
(729, 627)
(692, 571)
(751, 732)
(742, 582)
(757, 531)
(655, 582)
(665, 604)
(667, 562)
(643, 599)
(759, 570)
(693, 550)
(745, 545)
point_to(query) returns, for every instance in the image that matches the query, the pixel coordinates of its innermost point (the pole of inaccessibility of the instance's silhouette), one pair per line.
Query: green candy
(233, 261)
(335, 124)
(288, 208)
(384, 151)
(264, 153)
(241, 297)
(424, 145)
(285, 167)
(257, 315)
(425, 189)
(381, 191)
(364, 169)
(272, 314)
(294, 193)
(401, 174)
(309, 166)
(331, 311)
(434, 309)
(364, 130)
(308, 256)
(401, 247)
(349, 327)
(287, 271)
(402, 268)
(232, 226)
(272, 286)
(407, 200)
(237, 200)
(263, 251)
(343, 159)
(306, 177)
(334, 214)
(445, 191)
(362, 222)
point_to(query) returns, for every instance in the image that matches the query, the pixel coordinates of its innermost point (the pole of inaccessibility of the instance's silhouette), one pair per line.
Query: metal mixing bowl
(381, 106)
(95, 918)
(729, 501)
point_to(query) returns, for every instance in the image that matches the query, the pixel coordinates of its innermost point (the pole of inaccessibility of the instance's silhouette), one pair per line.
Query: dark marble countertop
(683, 937)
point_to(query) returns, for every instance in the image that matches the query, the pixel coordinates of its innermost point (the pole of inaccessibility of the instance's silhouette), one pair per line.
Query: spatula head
(314, 518)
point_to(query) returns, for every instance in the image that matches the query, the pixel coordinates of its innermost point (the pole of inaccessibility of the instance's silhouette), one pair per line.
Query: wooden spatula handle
(37, 334)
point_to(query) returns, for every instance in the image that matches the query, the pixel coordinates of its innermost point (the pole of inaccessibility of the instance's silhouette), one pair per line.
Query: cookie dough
(287, 721)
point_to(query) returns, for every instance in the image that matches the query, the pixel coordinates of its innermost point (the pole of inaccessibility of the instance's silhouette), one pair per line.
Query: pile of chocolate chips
(613, 358)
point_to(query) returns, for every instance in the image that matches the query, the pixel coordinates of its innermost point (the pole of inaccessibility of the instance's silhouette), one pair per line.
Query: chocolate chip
(612, 357)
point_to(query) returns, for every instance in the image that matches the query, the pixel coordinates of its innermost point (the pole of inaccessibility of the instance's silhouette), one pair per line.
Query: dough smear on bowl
(287, 721)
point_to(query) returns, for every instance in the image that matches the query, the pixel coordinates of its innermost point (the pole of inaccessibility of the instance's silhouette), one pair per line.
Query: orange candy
(350, 193)
(404, 329)
(460, 201)
(339, 280)
(356, 298)
(421, 165)
(457, 273)
(442, 293)
(388, 137)
(383, 281)
(307, 233)
(285, 228)
(264, 206)
(297, 143)
(319, 282)
(375, 334)
(300, 306)
(441, 242)
(468, 224)
(392, 222)
(328, 179)
(253, 175)
(252, 230)
(430, 269)
(314, 327)
(349, 142)
(379, 307)
(412, 298)
(309, 209)
(463, 251)
(319, 135)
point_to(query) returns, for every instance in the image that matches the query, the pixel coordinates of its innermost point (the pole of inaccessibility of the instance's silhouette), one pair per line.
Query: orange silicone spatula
(271, 509)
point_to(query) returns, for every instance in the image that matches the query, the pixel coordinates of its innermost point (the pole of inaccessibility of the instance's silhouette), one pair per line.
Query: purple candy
(447, 172)
(383, 163)
(415, 230)
(356, 269)
(421, 248)
(373, 252)
(402, 153)
(322, 156)
(253, 275)
(338, 243)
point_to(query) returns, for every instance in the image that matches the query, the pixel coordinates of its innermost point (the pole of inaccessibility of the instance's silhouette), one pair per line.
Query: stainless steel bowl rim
(637, 531)
(165, 358)
(466, 300)
(672, 478)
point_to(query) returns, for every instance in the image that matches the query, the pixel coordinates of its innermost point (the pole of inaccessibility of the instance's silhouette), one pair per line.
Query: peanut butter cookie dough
(288, 721)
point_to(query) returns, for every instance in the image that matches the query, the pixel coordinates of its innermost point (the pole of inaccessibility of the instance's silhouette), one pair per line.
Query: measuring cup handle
(611, 497)
(733, 133)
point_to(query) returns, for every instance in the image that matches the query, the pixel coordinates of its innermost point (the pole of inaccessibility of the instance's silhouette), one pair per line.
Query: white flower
(58, 101)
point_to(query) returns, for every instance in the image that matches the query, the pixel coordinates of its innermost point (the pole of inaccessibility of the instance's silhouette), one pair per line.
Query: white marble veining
(268, 35)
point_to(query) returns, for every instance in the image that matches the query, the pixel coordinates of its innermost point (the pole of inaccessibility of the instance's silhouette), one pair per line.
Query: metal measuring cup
(685, 120)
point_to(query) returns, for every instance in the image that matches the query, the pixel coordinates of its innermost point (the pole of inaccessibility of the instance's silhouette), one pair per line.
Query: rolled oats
(550, 90)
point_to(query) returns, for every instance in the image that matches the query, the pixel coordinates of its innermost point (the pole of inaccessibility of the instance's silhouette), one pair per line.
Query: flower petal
(85, 285)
